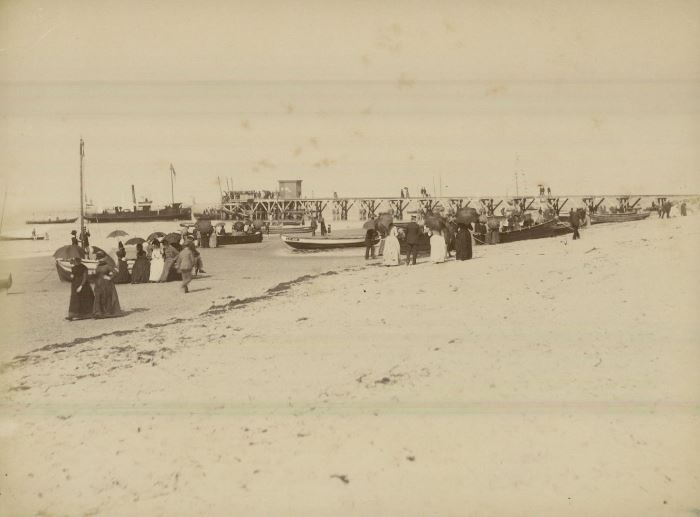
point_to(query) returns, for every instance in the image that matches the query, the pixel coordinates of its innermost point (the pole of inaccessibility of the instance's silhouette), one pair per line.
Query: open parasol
(466, 215)
(203, 225)
(155, 235)
(134, 241)
(68, 252)
(173, 238)
(384, 222)
(370, 225)
(117, 233)
(108, 258)
(434, 222)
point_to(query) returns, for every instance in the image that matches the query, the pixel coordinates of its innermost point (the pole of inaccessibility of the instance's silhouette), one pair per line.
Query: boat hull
(228, 239)
(52, 221)
(544, 230)
(184, 214)
(64, 268)
(323, 243)
(618, 218)
(7, 238)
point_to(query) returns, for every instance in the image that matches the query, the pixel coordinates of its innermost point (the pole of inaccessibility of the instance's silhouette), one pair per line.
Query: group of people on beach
(443, 241)
(161, 262)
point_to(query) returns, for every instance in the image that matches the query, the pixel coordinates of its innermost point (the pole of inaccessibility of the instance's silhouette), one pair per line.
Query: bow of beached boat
(323, 243)
(619, 217)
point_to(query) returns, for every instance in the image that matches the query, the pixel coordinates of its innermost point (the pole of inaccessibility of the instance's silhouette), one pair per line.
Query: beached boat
(551, 228)
(64, 268)
(276, 230)
(243, 238)
(56, 220)
(619, 217)
(323, 243)
(6, 283)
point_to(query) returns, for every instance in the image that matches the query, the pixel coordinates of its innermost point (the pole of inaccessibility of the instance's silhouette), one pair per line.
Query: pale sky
(355, 97)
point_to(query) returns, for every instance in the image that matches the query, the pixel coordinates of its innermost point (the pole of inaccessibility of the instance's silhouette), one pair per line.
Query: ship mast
(82, 212)
(172, 188)
(4, 202)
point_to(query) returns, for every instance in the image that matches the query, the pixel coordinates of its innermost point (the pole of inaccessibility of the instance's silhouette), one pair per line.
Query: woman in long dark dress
(463, 242)
(106, 299)
(81, 298)
(123, 276)
(141, 271)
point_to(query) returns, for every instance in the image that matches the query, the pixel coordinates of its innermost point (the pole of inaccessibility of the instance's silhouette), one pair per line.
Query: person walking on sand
(184, 263)
(106, 298)
(82, 299)
(314, 225)
(392, 248)
(169, 257)
(123, 277)
(156, 262)
(85, 240)
(684, 211)
(438, 248)
(575, 223)
(463, 242)
(142, 269)
(370, 238)
(413, 233)
(322, 222)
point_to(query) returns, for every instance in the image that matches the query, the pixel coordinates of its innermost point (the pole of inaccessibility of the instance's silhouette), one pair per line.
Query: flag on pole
(172, 170)
(82, 148)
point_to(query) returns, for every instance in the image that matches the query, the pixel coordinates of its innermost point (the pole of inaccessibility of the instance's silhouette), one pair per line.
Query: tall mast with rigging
(82, 210)
(4, 202)
(172, 187)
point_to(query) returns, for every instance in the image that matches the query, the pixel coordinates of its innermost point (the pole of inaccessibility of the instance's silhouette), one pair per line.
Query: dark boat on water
(57, 220)
(242, 238)
(143, 212)
(10, 238)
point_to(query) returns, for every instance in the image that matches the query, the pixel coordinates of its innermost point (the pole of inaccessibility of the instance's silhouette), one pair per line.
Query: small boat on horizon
(324, 243)
(34, 238)
(55, 220)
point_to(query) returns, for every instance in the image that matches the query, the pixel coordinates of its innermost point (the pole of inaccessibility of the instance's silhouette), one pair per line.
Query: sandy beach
(548, 377)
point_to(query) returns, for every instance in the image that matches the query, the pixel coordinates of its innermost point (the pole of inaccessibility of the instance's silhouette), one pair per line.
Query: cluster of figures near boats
(176, 257)
(162, 261)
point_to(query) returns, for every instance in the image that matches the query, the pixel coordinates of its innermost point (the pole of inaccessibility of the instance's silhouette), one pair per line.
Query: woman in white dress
(392, 248)
(157, 262)
(438, 249)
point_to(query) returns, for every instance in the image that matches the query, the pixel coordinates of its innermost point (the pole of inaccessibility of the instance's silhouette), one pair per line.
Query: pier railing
(341, 208)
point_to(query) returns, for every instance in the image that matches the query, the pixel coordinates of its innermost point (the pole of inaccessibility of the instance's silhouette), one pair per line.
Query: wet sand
(549, 377)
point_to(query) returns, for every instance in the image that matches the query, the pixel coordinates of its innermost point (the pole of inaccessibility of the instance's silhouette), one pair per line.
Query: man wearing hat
(74, 238)
(413, 233)
(185, 263)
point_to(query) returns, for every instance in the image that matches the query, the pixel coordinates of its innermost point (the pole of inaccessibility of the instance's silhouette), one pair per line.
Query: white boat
(64, 267)
(324, 243)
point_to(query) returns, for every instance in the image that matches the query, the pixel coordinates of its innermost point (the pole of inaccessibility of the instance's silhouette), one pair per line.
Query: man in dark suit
(413, 233)
(370, 238)
(575, 222)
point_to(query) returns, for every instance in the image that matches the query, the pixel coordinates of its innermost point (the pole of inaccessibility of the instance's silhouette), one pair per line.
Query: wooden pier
(341, 208)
